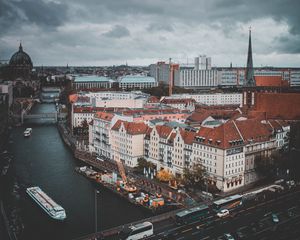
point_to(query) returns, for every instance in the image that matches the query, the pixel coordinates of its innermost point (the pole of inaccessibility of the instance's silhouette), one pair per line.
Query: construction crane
(125, 184)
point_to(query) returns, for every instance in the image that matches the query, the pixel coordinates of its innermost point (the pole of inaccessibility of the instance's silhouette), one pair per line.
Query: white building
(182, 104)
(116, 99)
(231, 77)
(128, 141)
(294, 78)
(100, 139)
(137, 82)
(213, 98)
(91, 81)
(191, 79)
(202, 63)
(221, 152)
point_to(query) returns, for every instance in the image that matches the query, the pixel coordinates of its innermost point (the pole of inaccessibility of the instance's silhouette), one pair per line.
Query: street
(252, 221)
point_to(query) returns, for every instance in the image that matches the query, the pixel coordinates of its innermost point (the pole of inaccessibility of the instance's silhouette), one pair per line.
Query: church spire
(250, 82)
(20, 47)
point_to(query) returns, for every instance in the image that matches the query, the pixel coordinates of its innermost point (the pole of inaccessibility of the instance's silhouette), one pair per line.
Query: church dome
(20, 59)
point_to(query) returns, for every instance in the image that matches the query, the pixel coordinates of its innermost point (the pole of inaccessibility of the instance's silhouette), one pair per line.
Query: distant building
(182, 104)
(191, 79)
(6, 87)
(137, 82)
(161, 72)
(213, 98)
(20, 65)
(202, 63)
(91, 81)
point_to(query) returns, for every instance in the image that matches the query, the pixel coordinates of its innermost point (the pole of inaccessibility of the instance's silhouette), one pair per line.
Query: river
(43, 160)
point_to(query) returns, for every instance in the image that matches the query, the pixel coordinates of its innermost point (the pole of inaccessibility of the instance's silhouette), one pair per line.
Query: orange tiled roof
(188, 137)
(104, 116)
(73, 98)
(254, 130)
(153, 99)
(270, 81)
(225, 136)
(132, 128)
(164, 131)
(283, 106)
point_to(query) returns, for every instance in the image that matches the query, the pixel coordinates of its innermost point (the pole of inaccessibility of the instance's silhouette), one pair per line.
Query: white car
(223, 213)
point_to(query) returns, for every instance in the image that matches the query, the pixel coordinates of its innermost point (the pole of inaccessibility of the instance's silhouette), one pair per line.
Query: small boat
(27, 132)
(54, 210)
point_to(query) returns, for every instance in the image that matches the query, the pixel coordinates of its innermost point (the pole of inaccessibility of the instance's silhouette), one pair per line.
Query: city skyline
(141, 33)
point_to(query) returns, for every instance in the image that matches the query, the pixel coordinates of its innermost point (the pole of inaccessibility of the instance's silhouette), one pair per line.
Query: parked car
(275, 218)
(228, 236)
(223, 213)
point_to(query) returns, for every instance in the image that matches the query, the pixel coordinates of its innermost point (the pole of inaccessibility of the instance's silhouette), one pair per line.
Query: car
(223, 213)
(228, 236)
(275, 218)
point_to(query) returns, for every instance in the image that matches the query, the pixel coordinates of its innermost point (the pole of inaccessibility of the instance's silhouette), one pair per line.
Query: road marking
(180, 238)
(207, 237)
(250, 208)
(201, 225)
(195, 233)
(186, 230)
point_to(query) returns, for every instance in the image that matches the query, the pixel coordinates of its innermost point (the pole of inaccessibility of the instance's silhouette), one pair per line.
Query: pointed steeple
(250, 82)
(20, 47)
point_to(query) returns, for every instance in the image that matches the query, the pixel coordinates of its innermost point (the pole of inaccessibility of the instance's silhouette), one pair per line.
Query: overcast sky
(111, 32)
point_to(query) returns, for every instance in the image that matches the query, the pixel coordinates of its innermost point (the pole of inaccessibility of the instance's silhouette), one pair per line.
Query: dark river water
(43, 160)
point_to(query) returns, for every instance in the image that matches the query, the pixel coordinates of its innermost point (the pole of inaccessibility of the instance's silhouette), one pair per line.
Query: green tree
(143, 163)
(194, 177)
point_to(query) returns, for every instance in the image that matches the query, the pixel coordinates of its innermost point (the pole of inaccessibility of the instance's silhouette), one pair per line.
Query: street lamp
(96, 219)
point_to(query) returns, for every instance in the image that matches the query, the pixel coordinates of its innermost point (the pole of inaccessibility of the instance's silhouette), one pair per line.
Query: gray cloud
(117, 31)
(16, 14)
(160, 27)
(70, 31)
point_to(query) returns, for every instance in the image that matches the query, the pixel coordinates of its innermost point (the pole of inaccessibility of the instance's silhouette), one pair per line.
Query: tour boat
(54, 210)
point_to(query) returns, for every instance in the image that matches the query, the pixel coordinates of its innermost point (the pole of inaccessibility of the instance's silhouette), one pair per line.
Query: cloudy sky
(107, 32)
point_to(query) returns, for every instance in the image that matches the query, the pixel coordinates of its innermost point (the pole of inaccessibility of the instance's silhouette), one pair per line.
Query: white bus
(138, 231)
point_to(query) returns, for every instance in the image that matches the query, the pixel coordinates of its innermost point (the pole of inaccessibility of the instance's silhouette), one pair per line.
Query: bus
(192, 214)
(230, 202)
(138, 231)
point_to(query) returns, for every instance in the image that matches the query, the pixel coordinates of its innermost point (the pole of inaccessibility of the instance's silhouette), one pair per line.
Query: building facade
(137, 82)
(128, 141)
(213, 98)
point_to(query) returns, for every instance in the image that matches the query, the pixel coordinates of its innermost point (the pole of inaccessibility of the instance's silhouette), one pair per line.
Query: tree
(194, 177)
(143, 163)
(164, 176)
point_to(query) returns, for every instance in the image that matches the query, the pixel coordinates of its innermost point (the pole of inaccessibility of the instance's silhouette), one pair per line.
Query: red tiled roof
(254, 130)
(73, 98)
(188, 137)
(283, 106)
(163, 131)
(154, 111)
(153, 99)
(132, 128)
(270, 81)
(95, 109)
(104, 115)
(201, 115)
(224, 136)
